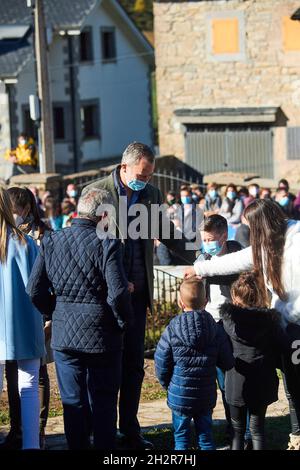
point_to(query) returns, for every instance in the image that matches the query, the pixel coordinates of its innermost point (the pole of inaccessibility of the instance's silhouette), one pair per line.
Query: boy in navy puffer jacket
(186, 357)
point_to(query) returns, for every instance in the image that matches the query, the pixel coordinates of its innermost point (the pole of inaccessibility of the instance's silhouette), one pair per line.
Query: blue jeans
(84, 378)
(203, 428)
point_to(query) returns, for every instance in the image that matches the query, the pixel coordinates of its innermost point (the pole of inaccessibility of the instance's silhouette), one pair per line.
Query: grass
(4, 418)
(152, 391)
(53, 412)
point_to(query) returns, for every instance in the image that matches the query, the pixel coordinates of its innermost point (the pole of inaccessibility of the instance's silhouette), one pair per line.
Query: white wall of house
(25, 87)
(123, 90)
(59, 73)
(5, 166)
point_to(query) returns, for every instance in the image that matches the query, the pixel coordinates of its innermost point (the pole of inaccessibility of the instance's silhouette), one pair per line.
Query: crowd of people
(229, 202)
(89, 294)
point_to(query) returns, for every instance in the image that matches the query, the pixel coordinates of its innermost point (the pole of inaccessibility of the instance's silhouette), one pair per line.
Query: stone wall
(187, 77)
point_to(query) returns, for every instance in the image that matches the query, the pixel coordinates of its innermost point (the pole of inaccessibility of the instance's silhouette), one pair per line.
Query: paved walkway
(151, 414)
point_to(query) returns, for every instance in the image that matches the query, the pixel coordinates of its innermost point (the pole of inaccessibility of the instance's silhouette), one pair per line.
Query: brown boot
(294, 443)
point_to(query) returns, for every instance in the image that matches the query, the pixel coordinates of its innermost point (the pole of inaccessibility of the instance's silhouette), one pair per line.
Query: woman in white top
(274, 253)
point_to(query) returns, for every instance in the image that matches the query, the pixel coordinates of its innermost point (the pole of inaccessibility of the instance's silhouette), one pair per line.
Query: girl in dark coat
(257, 339)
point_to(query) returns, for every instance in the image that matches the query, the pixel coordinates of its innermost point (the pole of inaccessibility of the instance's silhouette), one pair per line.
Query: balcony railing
(166, 290)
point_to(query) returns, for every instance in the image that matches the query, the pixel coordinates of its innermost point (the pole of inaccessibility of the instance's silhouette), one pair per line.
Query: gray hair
(135, 151)
(90, 201)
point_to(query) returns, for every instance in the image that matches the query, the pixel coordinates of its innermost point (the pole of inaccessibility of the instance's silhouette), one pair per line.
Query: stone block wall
(188, 77)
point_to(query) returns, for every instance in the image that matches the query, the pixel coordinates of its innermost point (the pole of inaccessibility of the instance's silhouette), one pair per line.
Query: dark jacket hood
(195, 329)
(252, 316)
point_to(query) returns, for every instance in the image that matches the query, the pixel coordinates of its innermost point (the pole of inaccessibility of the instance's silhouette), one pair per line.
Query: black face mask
(196, 198)
(171, 202)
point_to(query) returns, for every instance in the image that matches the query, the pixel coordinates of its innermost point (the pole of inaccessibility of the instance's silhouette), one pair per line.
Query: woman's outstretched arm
(232, 263)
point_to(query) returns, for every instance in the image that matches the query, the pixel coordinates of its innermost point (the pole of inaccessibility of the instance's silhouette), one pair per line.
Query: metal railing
(165, 307)
(164, 180)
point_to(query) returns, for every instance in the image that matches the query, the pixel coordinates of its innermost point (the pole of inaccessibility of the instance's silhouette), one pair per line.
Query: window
(59, 123)
(225, 35)
(293, 143)
(89, 114)
(108, 42)
(29, 126)
(86, 45)
(291, 35)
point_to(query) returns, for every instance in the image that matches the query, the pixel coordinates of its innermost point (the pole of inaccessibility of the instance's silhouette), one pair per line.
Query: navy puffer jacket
(186, 357)
(79, 281)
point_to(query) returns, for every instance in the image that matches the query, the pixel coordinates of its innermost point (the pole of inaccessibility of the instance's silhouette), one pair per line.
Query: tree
(141, 12)
(139, 6)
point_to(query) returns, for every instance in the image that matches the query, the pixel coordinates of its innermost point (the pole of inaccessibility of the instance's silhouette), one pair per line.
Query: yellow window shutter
(291, 34)
(225, 33)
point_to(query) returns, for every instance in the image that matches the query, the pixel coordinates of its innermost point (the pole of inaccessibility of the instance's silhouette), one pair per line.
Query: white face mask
(22, 141)
(254, 191)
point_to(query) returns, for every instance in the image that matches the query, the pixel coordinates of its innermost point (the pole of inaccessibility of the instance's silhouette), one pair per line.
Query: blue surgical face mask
(186, 200)
(212, 248)
(136, 185)
(212, 193)
(231, 194)
(73, 193)
(196, 198)
(284, 201)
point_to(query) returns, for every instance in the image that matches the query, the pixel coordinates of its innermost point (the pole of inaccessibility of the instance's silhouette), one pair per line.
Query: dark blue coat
(79, 281)
(186, 357)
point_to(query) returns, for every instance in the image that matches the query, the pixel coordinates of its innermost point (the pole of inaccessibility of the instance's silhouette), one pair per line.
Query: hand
(130, 287)
(48, 330)
(190, 272)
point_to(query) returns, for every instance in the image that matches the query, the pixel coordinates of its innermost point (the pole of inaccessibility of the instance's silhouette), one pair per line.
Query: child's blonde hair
(192, 293)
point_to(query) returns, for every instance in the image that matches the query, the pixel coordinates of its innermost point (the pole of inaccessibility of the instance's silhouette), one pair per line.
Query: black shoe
(135, 443)
(248, 444)
(13, 441)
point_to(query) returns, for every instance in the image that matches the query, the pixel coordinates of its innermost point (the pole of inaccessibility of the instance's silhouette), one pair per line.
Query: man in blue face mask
(188, 214)
(131, 180)
(214, 243)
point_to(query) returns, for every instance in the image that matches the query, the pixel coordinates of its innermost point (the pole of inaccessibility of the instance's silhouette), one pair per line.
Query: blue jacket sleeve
(118, 296)
(225, 359)
(163, 357)
(39, 287)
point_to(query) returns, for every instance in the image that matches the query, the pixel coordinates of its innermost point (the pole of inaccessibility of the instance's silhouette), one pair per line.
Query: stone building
(228, 84)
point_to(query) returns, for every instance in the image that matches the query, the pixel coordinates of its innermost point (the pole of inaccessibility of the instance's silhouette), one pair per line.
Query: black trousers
(291, 380)
(11, 372)
(133, 367)
(257, 423)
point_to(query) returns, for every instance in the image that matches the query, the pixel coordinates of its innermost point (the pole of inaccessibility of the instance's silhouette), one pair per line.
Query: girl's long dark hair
(268, 225)
(34, 211)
